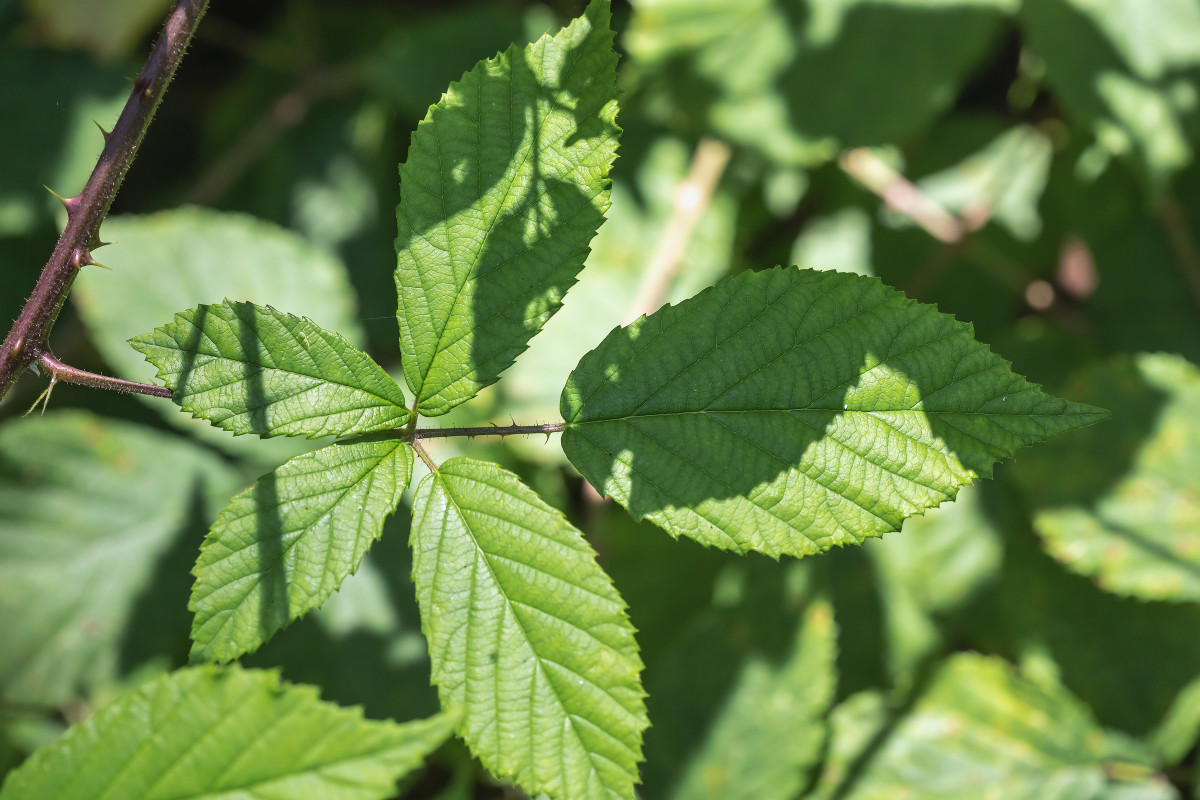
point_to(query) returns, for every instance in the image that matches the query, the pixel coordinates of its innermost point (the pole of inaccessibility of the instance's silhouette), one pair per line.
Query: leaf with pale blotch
(505, 185)
(982, 731)
(283, 546)
(789, 411)
(1122, 505)
(252, 369)
(528, 634)
(227, 733)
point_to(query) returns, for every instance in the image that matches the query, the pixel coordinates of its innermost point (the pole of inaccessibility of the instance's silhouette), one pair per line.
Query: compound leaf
(283, 546)
(788, 411)
(505, 185)
(250, 369)
(227, 733)
(527, 632)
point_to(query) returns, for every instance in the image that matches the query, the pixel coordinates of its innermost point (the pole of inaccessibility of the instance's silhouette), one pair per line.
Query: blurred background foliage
(1029, 167)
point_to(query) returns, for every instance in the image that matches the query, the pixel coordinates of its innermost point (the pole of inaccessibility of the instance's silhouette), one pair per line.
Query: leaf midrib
(480, 552)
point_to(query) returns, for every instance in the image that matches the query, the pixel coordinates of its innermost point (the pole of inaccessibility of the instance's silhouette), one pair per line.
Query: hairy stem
(487, 430)
(28, 340)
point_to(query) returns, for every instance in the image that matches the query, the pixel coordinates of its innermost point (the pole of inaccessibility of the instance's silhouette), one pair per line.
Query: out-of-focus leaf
(979, 730)
(1126, 70)
(798, 79)
(413, 65)
(107, 28)
(1002, 182)
(49, 138)
(929, 573)
(173, 260)
(791, 411)
(1061, 625)
(89, 509)
(505, 184)
(250, 369)
(224, 733)
(840, 241)
(526, 630)
(770, 730)
(283, 546)
(1124, 507)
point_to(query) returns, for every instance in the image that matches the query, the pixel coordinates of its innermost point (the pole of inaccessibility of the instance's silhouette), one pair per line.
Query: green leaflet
(980, 731)
(283, 546)
(527, 632)
(250, 369)
(95, 517)
(788, 411)
(1122, 505)
(227, 733)
(505, 185)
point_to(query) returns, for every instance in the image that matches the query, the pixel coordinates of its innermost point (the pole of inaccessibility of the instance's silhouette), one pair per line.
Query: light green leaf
(283, 546)
(527, 632)
(978, 731)
(250, 369)
(770, 730)
(95, 520)
(225, 734)
(505, 185)
(1123, 506)
(789, 411)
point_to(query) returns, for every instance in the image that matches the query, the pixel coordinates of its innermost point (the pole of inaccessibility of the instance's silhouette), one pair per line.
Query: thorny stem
(27, 342)
(903, 196)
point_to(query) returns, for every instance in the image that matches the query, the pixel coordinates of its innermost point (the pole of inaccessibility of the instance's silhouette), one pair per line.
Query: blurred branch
(902, 196)
(28, 340)
(1187, 254)
(691, 201)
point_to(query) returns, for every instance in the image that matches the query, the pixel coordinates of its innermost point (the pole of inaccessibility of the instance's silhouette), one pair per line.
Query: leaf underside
(227, 733)
(505, 185)
(283, 547)
(252, 369)
(526, 631)
(788, 411)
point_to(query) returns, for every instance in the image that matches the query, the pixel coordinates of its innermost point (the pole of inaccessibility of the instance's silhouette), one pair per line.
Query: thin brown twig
(691, 201)
(1187, 254)
(902, 196)
(27, 342)
(493, 430)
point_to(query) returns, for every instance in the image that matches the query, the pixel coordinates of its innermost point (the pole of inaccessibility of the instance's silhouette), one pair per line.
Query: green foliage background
(1038, 637)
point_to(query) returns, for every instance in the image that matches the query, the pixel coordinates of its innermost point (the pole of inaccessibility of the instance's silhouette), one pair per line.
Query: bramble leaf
(505, 185)
(981, 730)
(252, 369)
(283, 546)
(789, 411)
(93, 512)
(1123, 505)
(527, 632)
(227, 732)
(771, 728)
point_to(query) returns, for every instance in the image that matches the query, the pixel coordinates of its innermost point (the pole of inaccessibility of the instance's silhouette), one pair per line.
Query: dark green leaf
(789, 411)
